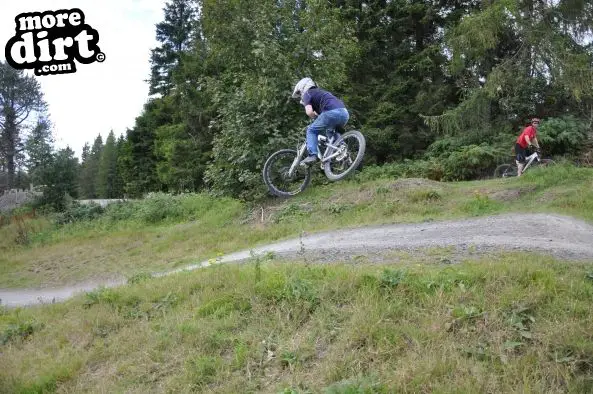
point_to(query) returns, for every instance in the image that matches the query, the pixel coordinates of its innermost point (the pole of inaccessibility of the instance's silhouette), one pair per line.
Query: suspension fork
(533, 158)
(300, 152)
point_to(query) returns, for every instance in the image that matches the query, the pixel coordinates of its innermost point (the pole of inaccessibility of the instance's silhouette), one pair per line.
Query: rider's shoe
(311, 159)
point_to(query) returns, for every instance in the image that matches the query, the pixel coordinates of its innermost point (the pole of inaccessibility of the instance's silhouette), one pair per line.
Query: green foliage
(482, 204)
(278, 46)
(154, 209)
(357, 386)
(293, 212)
(138, 159)
(223, 306)
(424, 195)
(179, 167)
(161, 207)
(430, 169)
(247, 131)
(158, 207)
(20, 97)
(85, 187)
(139, 278)
(77, 212)
(288, 288)
(203, 370)
(89, 169)
(399, 73)
(472, 161)
(446, 160)
(459, 75)
(102, 295)
(174, 34)
(564, 135)
(19, 330)
(60, 180)
(509, 74)
(39, 150)
(108, 176)
(391, 278)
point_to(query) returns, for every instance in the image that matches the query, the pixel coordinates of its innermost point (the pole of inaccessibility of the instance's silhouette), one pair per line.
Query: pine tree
(138, 159)
(93, 167)
(175, 35)
(515, 59)
(107, 175)
(39, 149)
(20, 96)
(84, 186)
(60, 179)
(118, 185)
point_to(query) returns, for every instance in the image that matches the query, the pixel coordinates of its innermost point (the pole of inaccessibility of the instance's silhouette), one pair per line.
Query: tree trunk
(9, 143)
(10, 168)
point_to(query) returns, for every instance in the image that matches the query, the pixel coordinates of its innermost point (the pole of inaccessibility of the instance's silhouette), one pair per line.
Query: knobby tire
(361, 150)
(275, 189)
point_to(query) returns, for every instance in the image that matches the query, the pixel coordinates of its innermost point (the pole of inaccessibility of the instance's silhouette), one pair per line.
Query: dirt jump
(562, 237)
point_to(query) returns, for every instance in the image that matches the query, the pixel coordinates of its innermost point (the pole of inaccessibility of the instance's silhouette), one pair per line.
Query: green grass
(505, 323)
(164, 233)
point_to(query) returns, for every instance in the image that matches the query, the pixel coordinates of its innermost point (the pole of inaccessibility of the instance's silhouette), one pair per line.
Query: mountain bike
(339, 157)
(511, 170)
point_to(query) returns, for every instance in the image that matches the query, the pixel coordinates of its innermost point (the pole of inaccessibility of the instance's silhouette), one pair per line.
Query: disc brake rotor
(342, 153)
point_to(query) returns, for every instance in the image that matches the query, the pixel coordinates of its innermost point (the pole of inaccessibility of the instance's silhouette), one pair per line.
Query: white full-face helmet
(302, 86)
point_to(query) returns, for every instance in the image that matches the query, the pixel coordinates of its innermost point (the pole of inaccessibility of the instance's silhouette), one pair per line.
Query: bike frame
(301, 149)
(530, 159)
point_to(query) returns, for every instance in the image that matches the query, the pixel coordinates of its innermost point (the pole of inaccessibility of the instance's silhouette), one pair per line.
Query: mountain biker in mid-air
(527, 138)
(328, 111)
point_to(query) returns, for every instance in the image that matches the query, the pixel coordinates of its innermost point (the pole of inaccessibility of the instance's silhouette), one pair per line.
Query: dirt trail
(560, 236)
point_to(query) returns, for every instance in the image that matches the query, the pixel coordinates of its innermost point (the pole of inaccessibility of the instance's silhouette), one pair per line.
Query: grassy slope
(510, 323)
(503, 323)
(101, 249)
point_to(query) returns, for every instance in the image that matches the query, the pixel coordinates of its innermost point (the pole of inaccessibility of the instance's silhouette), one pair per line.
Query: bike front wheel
(350, 153)
(505, 171)
(276, 174)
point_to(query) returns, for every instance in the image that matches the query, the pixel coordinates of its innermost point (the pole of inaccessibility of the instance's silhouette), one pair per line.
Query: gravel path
(560, 236)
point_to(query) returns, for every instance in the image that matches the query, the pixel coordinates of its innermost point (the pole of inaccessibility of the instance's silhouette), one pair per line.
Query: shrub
(473, 161)
(20, 330)
(157, 207)
(161, 207)
(119, 211)
(563, 135)
(448, 160)
(77, 212)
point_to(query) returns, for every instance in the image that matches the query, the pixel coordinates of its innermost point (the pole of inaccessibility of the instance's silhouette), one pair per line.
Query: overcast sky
(99, 97)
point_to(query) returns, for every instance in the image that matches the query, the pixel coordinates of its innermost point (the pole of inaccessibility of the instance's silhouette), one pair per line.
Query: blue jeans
(326, 121)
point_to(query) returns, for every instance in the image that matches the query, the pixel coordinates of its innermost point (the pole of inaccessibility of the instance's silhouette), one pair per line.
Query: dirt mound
(560, 236)
(415, 183)
(511, 194)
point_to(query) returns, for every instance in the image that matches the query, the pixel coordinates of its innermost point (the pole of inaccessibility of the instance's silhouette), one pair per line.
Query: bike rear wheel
(349, 157)
(276, 177)
(505, 171)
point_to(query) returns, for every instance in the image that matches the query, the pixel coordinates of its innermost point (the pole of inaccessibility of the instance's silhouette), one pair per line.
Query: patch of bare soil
(266, 214)
(416, 183)
(511, 194)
